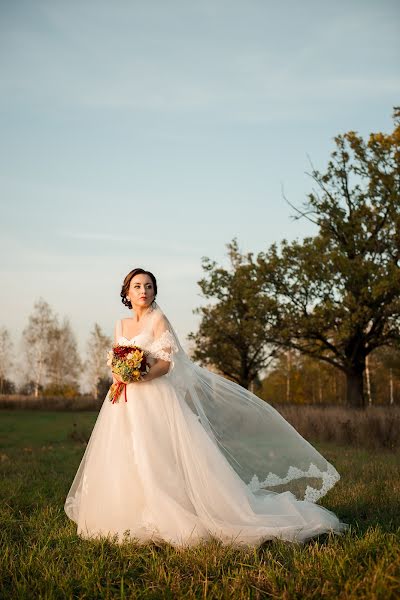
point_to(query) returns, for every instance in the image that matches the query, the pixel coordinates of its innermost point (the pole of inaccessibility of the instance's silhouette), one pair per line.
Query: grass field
(41, 556)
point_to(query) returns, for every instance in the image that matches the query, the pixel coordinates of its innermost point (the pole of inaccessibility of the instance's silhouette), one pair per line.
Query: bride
(187, 455)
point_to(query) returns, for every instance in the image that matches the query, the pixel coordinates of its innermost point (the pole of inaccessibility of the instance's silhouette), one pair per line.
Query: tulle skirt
(151, 472)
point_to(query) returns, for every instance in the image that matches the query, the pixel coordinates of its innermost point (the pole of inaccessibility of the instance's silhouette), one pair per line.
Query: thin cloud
(154, 247)
(241, 77)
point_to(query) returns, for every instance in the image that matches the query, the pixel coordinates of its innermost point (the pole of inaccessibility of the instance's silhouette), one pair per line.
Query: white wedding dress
(169, 464)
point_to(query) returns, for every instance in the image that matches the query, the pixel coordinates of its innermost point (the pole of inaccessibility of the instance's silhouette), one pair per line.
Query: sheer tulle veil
(261, 446)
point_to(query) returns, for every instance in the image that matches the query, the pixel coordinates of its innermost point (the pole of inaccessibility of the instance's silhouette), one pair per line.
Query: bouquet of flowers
(130, 363)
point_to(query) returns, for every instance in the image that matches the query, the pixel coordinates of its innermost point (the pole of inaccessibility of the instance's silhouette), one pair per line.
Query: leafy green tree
(338, 293)
(232, 336)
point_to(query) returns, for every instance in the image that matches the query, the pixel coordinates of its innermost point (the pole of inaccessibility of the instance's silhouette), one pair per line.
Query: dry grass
(19, 401)
(41, 557)
(374, 427)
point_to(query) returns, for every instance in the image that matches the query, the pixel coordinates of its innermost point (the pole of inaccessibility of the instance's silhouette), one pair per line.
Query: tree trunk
(245, 379)
(319, 387)
(245, 375)
(288, 373)
(355, 389)
(368, 377)
(391, 400)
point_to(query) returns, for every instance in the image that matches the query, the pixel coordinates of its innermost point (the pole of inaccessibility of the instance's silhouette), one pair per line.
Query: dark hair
(127, 281)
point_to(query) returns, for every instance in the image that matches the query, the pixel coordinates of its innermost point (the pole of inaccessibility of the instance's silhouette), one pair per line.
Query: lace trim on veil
(329, 478)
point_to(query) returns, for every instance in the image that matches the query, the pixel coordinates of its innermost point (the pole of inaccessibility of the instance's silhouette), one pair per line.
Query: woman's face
(141, 291)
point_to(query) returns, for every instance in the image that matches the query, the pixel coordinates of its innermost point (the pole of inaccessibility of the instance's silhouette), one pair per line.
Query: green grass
(42, 557)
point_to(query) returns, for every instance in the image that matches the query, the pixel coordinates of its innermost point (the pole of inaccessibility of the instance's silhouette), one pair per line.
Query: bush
(62, 390)
(78, 402)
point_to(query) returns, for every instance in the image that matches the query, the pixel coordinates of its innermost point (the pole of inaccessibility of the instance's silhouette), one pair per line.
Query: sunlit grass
(42, 557)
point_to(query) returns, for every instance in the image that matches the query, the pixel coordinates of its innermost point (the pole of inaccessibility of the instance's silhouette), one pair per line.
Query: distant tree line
(48, 361)
(295, 378)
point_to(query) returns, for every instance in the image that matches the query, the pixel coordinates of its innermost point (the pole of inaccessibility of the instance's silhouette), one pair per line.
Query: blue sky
(151, 133)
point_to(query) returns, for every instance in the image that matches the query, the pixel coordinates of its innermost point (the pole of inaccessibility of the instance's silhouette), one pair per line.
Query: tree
(386, 374)
(28, 388)
(37, 338)
(103, 386)
(64, 364)
(6, 352)
(8, 387)
(96, 363)
(232, 336)
(338, 293)
(310, 381)
(51, 353)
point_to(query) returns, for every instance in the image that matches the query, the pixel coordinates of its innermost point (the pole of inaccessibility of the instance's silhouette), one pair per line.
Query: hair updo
(127, 282)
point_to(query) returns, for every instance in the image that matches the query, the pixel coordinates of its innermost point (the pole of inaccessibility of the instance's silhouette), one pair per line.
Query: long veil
(262, 447)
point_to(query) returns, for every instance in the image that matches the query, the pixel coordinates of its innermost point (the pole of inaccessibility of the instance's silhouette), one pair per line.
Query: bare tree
(6, 362)
(64, 365)
(37, 342)
(96, 362)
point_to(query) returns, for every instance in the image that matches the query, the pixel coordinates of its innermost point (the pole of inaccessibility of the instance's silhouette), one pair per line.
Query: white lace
(329, 478)
(164, 346)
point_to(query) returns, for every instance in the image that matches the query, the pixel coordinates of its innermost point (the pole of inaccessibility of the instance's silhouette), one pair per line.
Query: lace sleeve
(164, 345)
